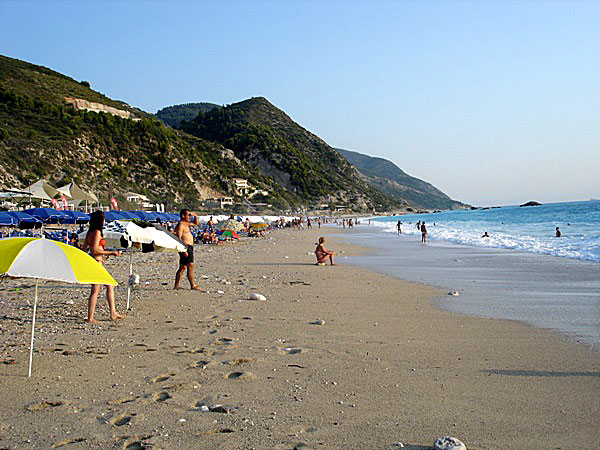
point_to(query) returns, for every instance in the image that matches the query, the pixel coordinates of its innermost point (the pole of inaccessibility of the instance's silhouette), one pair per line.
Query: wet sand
(215, 370)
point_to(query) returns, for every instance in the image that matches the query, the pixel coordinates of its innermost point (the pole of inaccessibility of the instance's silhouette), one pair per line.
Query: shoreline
(386, 366)
(548, 292)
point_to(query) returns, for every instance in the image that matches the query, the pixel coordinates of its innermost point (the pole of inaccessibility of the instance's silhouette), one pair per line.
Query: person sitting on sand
(323, 254)
(186, 259)
(94, 241)
(558, 233)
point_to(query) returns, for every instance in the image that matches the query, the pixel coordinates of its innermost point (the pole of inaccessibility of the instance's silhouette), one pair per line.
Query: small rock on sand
(258, 297)
(448, 443)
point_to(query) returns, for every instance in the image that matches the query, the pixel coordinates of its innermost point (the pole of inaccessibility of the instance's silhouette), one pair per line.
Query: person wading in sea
(186, 259)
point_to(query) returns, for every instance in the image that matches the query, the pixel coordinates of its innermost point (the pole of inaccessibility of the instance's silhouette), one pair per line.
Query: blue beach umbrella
(72, 217)
(109, 216)
(25, 220)
(6, 220)
(46, 215)
(149, 216)
(127, 215)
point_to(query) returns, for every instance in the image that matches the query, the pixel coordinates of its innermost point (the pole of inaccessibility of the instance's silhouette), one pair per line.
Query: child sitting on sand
(323, 254)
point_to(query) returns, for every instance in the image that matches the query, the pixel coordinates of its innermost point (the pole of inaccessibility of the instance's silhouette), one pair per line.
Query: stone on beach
(259, 297)
(448, 443)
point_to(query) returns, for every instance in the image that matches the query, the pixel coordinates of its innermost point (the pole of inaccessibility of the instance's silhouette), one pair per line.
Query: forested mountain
(272, 143)
(174, 115)
(55, 127)
(392, 180)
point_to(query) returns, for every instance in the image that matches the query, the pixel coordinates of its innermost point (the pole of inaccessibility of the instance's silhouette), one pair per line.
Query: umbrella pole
(130, 273)
(33, 326)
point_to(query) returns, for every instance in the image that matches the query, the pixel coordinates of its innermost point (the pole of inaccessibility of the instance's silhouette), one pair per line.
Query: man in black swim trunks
(186, 259)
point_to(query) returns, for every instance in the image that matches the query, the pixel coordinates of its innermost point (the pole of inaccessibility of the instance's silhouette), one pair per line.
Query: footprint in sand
(161, 396)
(237, 361)
(40, 406)
(244, 375)
(161, 378)
(66, 442)
(120, 420)
(203, 364)
(120, 401)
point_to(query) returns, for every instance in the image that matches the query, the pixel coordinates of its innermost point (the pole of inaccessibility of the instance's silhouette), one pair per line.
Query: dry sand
(383, 367)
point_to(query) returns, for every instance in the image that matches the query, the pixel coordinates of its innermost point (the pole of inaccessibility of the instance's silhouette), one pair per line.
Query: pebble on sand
(448, 443)
(259, 297)
(454, 294)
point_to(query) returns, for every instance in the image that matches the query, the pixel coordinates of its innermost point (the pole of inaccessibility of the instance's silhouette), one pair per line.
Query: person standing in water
(423, 233)
(94, 242)
(558, 233)
(399, 227)
(186, 258)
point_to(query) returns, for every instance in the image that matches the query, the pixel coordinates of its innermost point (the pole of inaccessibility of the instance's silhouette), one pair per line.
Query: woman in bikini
(94, 241)
(323, 254)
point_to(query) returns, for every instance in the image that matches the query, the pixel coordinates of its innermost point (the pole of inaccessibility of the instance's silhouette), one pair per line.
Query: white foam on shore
(575, 245)
(560, 294)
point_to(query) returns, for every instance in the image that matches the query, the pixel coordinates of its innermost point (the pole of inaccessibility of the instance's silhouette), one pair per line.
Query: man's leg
(178, 275)
(190, 275)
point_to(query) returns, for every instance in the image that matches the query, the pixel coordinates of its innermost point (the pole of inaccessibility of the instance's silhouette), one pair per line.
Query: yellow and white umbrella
(49, 260)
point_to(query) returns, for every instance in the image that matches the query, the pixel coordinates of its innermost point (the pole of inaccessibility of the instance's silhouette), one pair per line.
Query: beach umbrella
(258, 226)
(46, 215)
(75, 217)
(152, 237)
(6, 220)
(109, 216)
(149, 237)
(25, 221)
(43, 259)
(149, 216)
(230, 224)
(127, 214)
(230, 233)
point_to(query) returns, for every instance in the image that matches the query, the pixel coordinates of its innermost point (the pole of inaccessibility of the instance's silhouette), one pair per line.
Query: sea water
(529, 229)
(521, 272)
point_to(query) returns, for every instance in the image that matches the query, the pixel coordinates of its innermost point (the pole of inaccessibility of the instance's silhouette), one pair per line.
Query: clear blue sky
(492, 102)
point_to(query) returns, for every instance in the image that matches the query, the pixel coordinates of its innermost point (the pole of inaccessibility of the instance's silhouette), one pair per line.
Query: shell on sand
(258, 297)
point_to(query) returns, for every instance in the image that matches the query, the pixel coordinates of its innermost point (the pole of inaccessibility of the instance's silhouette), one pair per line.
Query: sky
(493, 102)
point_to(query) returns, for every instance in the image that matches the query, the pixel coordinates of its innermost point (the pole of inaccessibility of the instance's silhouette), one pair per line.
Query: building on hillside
(220, 202)
(139, 199)
(241, 186)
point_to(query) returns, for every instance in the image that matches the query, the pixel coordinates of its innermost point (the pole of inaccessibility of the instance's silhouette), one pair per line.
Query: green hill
(392, 180)
(41, 135)
(268, 140)
(174, 115)
(55, 127)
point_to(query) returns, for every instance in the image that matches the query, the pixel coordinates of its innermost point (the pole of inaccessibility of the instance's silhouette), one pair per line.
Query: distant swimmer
(558, 233)
(419, 225)
(399, 227)
(485, 235)
(423, 233)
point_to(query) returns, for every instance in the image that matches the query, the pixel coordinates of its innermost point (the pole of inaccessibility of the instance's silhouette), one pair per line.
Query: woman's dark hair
(96, 220)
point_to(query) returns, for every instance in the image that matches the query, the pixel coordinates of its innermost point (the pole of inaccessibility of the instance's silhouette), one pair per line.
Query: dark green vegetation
(41, 135)
(392, 180)
(267, 139)
(174, 115)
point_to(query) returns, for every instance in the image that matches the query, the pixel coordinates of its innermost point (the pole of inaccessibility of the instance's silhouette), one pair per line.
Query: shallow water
(529, 229)
(556, 293)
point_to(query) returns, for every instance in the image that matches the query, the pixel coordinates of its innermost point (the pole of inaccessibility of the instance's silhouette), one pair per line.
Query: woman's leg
(110, 297)
(92, 303)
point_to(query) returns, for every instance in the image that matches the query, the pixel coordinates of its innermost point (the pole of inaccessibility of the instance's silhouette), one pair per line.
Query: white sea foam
(524, 229)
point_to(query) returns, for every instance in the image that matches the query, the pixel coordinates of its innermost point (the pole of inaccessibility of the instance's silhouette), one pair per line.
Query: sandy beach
(336, 357)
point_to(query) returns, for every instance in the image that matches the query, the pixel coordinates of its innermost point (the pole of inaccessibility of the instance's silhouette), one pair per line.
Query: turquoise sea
(521, 272)
(528, 229)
